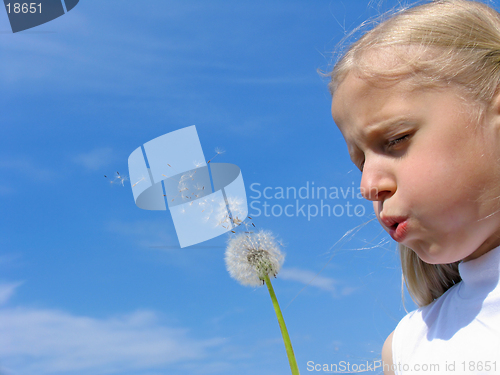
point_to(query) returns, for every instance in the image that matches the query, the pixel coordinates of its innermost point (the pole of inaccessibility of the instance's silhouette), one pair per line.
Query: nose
(377, 182)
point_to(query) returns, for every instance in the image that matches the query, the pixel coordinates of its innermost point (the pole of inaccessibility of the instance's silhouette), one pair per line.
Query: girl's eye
(393, 143)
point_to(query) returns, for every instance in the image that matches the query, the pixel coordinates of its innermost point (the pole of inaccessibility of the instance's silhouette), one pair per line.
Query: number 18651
(24, 7)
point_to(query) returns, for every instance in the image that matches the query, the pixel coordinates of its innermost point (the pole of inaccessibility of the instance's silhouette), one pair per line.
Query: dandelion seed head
(219, 151)
(251, 256)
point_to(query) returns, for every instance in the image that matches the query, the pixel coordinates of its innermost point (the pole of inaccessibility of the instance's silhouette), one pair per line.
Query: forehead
(362, 102)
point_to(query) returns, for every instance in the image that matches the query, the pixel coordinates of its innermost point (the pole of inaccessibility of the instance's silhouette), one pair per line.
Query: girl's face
(431, 171)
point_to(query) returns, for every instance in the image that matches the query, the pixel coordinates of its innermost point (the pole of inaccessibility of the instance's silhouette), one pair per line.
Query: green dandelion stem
(284, 332)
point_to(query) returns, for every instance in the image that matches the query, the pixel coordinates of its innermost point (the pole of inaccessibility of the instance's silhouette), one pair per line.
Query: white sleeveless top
(459, 333)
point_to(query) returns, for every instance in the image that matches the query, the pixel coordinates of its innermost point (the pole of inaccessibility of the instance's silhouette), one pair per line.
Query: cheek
(446, 183)
(436, 167)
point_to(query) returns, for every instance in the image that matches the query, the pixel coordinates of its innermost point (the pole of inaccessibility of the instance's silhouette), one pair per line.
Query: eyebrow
(382, 126)
(376, 129)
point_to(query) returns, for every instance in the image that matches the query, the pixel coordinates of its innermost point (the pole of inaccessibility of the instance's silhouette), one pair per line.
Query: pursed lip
(396, 226)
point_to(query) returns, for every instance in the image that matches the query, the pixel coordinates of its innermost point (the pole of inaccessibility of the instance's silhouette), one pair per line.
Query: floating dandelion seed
(198, 164)
(252, 256)
(199, 186)
(118, 179)
(234, 212)
(218, 151)
(138, 182)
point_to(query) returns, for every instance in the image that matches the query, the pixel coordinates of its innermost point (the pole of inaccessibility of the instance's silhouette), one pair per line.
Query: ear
(495, 102)
(492, 114)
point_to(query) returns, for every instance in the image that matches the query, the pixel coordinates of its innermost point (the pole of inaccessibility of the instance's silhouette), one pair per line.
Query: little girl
(417, 100)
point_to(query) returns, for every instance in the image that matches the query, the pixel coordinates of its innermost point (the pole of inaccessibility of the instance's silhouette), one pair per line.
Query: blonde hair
(436, 44)
(426, 282)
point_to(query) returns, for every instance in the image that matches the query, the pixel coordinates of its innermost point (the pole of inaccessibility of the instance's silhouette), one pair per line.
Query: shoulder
(387, 355)
(419, 327)
(410, 332)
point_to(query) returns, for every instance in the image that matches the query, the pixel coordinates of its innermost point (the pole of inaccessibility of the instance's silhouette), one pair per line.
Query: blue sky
(91, 284)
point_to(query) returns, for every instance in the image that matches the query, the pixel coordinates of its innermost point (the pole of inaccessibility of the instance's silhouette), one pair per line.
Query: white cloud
(310, 278)
(47, 341)
(7, 290)
(26, 168)
(43, 341)
(95, 159)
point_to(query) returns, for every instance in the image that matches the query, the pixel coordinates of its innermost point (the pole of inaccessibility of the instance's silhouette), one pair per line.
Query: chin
(434, 254)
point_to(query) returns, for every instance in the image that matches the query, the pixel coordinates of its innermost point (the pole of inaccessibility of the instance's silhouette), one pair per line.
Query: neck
(492, 242)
